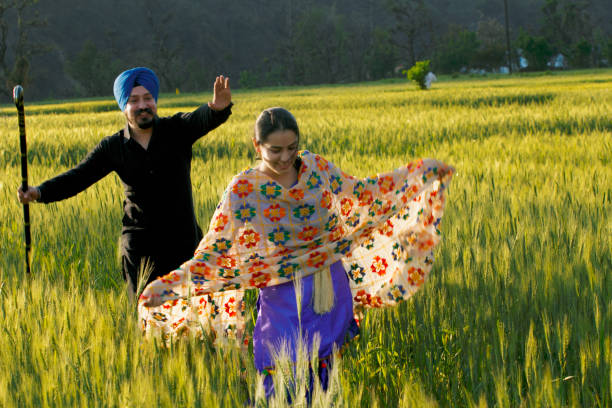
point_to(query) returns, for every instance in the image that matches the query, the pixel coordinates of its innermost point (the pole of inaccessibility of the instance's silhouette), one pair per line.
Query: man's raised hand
(222, 96)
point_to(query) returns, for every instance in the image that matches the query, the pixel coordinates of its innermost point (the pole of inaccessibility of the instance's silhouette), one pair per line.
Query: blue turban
(127, 80)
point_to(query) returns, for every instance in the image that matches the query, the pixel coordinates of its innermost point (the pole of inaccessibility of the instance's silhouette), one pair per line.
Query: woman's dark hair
(273, 119)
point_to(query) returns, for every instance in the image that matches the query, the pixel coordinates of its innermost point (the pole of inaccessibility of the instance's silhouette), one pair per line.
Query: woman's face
(278, 152)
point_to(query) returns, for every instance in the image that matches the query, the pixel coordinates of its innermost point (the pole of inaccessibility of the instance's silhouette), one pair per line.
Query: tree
(537, 50)
(15, 59)
(165, 55)
(491, 52)
(507, 26)
(93, 69)
(456, 50)
(413, 28)
(418, 73)
(567, 27)
(580, 56)
(381, 55)
(318, 46)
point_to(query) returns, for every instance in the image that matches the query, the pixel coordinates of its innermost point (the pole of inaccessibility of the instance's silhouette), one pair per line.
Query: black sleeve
(202, 120)
(93, 167)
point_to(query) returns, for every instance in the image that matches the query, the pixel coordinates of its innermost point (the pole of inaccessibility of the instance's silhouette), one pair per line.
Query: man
(152, 157)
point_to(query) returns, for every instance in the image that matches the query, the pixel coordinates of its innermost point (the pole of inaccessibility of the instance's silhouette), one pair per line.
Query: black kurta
(159, 220)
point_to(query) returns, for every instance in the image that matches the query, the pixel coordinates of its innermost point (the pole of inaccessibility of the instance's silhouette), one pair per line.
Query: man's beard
(145, 123)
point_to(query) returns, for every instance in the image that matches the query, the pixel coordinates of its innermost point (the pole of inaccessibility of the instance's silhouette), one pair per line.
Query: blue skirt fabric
(277, 319)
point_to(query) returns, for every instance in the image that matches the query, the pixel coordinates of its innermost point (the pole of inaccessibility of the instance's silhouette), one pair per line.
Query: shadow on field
(492, 100)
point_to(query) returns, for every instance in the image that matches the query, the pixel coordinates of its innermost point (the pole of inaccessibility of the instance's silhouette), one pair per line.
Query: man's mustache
(147, 110)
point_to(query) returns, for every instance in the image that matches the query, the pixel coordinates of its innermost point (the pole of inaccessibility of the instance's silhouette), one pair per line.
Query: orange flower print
(410, 191)
(170, 304)
(282, 251)
(249, 238)
(365, 198)
(308, 233)
(258, 267)
(313, 244)
(375, 301)
(326, 200)
(428, 219)
(200, 273)
(317, 259)
(386, 184)
(198, 291)
(220, 222)
(366, 231)
(242, 188)
(230, 307)
(296, 193)
(386, 208)
(336, 234)
(379, 266)
(322, 164)
(226, 261)
(170, 278)
(425, 243)
(415, 165)
(199, 268)
(202, 305)
(259, 279)
(362, 297)
(274, 213)
(386, 229)
(178, 323)
(346, 205)
(416, 276)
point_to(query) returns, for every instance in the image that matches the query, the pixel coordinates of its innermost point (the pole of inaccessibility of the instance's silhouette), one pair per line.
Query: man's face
(141, 108)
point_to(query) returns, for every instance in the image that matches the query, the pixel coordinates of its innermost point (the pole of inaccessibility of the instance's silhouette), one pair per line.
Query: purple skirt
(277, 319)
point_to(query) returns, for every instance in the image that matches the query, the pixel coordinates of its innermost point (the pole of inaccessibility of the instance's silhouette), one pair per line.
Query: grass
(517, 312)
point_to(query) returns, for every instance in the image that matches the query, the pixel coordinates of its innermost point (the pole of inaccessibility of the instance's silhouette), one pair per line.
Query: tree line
(70, 48)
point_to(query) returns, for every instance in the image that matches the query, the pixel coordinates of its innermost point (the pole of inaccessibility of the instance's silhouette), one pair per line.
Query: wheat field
(517, 311)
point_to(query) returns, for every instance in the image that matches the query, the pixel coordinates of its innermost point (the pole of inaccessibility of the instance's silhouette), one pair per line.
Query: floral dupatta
(382, 228)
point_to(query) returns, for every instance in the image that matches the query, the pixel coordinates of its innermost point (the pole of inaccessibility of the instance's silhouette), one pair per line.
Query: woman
(296, 216)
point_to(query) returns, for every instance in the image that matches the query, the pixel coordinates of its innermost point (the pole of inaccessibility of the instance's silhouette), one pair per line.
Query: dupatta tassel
(323, 291)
